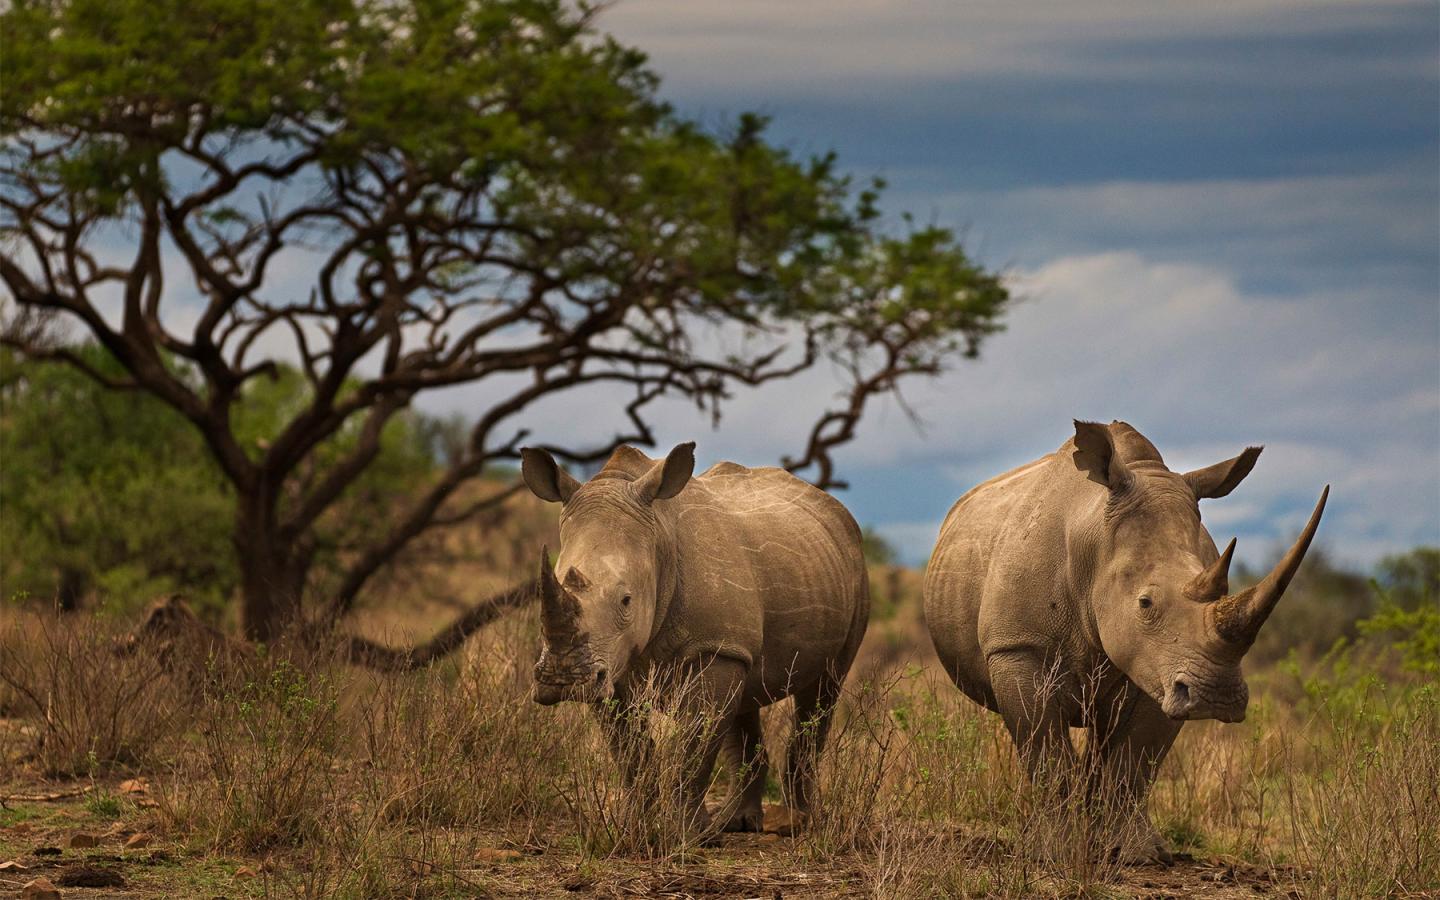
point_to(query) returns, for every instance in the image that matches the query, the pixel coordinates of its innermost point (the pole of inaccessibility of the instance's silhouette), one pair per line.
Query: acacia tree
(401, 195)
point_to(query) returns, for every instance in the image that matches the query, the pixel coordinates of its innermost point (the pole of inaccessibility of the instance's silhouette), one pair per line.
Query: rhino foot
(749, 820)
(1146, 848)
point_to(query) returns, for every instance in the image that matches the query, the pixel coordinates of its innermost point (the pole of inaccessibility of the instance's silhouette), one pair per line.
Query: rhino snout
(589, 684)
(1190, 698)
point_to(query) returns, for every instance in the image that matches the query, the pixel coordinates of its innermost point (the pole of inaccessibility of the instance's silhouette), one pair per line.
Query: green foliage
(114, 494)
(1410, 580)
(878, 551)
(1409, 613)
(480, 188)
(106, 492)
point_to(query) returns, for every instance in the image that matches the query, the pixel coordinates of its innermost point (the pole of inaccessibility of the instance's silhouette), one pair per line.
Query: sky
(1222, 221)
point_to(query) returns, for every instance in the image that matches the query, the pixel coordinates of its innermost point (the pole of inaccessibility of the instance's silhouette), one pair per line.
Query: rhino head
(1160, 595)
(600, 602)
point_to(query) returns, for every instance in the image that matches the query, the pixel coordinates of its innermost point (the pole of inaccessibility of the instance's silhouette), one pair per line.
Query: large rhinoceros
(1081, 590)
(751, 580)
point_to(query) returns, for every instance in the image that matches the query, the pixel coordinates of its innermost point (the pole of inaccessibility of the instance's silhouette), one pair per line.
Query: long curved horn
(1238, 619)
(1214, 582)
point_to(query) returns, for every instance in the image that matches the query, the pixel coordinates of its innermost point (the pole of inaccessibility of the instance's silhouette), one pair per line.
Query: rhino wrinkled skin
(750, 579)
(1081, 590)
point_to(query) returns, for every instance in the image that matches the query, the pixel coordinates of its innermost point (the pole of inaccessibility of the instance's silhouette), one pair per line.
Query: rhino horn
(1214, 582)
(558, 609)
(1238, 618)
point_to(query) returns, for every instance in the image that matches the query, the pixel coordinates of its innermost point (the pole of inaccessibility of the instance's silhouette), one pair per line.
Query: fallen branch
(46, 798)
(365, 652)
(170, 623)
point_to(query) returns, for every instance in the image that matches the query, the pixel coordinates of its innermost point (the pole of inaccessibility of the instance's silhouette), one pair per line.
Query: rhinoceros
(1081, 590)
(750, 580)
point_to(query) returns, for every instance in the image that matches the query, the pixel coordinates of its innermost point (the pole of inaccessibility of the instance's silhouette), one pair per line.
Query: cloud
(1358, 229)
(807, 45)
(1201, 366)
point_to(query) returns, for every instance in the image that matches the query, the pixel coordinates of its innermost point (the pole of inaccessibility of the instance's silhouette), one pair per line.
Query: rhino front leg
(1028, 694)
(1029, 697)
(711, 704)
(1131, 745)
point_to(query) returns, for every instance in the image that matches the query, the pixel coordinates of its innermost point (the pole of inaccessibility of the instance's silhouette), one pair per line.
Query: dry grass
(453, 781)
(87, 708)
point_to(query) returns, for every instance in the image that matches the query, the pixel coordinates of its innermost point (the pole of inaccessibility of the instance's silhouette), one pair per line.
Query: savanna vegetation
(289, 772)
(239, 240)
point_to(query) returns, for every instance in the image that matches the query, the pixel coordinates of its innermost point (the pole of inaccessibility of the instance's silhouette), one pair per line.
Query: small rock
(39, 889)
(246, 872)
(578, 882)
(135, 786)
(497, 855)
(138, 841)
(80, 840)
(47, 851)
(11, 865)
(784, 821)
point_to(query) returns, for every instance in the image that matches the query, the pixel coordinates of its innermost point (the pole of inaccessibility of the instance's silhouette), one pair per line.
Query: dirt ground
(43, 827)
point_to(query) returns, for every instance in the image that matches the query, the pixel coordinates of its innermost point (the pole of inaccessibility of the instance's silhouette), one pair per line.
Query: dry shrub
(91, 708)
(647, 815)
(927, 786)
(442, 749)
(261, 773)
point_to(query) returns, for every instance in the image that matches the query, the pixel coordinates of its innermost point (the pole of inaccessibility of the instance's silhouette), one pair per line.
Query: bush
(91, 708)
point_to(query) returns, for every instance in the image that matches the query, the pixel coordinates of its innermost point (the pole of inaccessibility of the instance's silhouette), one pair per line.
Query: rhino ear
(1095, 455)
(544, 477)
(1221, 478)
(666, 479)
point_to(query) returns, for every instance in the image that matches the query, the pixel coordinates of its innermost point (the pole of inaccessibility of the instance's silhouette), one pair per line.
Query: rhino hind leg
(814, 708)
(747, 758)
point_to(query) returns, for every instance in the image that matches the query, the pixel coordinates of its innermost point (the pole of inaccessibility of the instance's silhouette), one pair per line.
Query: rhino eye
(625, 600)
(1146, 602)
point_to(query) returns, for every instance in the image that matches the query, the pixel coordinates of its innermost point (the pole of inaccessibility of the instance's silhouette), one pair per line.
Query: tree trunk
(272, 574)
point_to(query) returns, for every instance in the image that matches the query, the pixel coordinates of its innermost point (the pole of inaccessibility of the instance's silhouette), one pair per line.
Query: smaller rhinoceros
(1081, 590)
(750, 580)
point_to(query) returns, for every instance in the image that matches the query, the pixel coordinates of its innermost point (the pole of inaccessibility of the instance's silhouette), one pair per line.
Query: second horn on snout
(1214, 582)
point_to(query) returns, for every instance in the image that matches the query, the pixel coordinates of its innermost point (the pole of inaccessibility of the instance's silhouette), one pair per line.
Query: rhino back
(770, 570)
(1000, 577)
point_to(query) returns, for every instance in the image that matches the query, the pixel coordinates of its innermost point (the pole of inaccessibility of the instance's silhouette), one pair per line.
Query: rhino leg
(717, 693)
(1132, 743)
(747, 757)
(1027, 695)
(814, 708)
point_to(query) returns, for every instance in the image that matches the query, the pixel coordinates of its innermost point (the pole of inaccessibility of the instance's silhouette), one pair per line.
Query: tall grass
(89, 708)
(373, 786)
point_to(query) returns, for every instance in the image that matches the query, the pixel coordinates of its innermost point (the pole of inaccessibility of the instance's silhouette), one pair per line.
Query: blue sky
(1224, 222)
